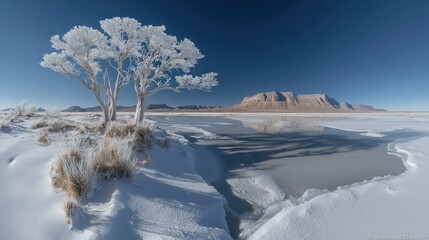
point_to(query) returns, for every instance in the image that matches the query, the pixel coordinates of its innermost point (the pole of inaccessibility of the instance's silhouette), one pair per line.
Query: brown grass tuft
(96, 128)
(60, 126)
(69, 207)
(57, 174)
(122, 130)
(56, 125)
(40, 124)
(43, 138)
(142, 137)
(112, 158)
(72, 174)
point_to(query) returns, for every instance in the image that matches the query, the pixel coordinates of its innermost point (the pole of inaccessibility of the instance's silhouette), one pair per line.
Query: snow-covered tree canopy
(163, 57)
(125, 37)
(204, 82)
(80, 50)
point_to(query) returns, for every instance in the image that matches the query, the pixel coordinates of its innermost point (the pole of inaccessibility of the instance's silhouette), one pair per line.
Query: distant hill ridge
(133, 108)
(290, 101)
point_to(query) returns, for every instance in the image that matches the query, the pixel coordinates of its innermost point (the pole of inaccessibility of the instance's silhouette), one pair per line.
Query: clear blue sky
(370, 52)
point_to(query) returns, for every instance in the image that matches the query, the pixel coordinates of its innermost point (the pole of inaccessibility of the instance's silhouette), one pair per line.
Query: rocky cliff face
(289, 101)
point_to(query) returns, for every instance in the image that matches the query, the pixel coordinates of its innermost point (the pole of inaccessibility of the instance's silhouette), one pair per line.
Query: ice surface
(385, 208)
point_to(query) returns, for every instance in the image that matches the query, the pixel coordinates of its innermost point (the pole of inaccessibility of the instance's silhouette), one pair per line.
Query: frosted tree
(163, 58)
(78, 56)
(123, 46)
(87, 55)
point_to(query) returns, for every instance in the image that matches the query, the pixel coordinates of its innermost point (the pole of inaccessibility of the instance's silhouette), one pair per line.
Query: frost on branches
(78, 56)
(161, 56)
(144, 55)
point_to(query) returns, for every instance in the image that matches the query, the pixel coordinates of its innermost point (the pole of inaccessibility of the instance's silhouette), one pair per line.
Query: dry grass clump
(118, 129)
(72, 172)
(55, 125)
(4, 123)
(80, 129)
(79, 162)
(40, 124)
(113, 158)
(96, 128)
(69, 207)
(143, 136)
(100, 127)
(43, 137)
(60, 126)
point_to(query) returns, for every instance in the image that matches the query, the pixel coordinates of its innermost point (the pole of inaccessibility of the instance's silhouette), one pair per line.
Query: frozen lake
(299, 156)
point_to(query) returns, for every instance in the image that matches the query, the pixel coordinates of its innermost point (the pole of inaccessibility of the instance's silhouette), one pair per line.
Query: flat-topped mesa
(269, 99)
(266, 97)
(289, 101)
(318, 100)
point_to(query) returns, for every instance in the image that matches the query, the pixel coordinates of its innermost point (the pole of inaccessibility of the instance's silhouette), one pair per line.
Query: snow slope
(384, 208)
(29, 208)
(166, 200)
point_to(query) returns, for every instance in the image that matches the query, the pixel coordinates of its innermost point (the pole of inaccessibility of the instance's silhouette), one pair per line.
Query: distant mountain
(118, 108)
(291, 102)
(9, 109)
(125, 108)
(197, 107)
(158, 106)
(76, 109)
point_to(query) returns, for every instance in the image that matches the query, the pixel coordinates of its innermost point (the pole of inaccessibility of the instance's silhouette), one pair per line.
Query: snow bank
(261, 191)
(251, 184)
(197, 132)
(373, 134)
(29, 208)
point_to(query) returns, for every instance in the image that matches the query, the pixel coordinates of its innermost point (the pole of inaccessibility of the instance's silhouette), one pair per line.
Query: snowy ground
(166, 199)
(169, 200)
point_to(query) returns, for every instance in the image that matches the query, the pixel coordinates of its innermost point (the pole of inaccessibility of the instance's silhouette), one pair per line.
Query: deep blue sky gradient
(370, 52)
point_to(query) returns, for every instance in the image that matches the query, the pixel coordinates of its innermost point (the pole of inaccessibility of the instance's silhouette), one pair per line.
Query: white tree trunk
(139, 115)
(103, 106)
(112, 108)
(106, 114)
